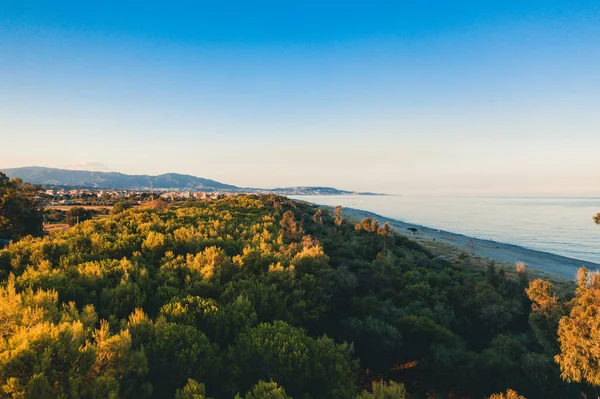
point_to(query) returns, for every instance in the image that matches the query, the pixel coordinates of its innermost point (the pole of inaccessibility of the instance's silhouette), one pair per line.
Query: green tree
(277, 351)
(76, 215)
(120, 207)
(266, 390)
(192, 390)
(21, 210)
(176, 353)
(384, 390)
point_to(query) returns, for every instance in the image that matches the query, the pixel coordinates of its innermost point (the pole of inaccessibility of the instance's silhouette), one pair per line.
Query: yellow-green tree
(384, 390)
(266, 390)
(509, 394)
(49, 352)
(546, 313)
(192, 390)
(579, 333)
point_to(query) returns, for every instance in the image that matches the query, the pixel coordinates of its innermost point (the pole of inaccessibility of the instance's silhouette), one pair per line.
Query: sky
(435, 97)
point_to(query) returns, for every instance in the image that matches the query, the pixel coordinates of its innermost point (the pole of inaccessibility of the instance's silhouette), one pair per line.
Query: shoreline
(546, 262)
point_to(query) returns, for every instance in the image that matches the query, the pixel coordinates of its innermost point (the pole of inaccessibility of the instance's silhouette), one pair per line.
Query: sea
(559, 225)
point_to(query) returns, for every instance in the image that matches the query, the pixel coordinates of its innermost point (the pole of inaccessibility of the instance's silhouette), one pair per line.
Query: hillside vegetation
(264, 297)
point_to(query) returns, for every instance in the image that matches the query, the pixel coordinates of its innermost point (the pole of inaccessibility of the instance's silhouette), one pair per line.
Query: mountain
(307, 190)
(83, 178)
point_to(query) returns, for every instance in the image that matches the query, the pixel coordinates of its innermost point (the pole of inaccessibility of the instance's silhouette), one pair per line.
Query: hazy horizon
(460, 99)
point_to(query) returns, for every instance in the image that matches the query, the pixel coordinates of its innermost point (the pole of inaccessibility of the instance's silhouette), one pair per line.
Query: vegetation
(75, 214)
(54, 216)
(579, 333)
(510, 394)
(264, 297)
(21, 211)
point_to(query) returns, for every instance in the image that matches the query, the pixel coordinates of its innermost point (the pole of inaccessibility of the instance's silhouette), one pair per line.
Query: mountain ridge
(116, 180)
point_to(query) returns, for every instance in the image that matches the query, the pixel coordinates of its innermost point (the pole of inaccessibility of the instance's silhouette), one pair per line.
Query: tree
(191, 390)
(291, 229)
(228, 301)
(318, 217)
(21, 210)
(76, 215)
(385, 232)
(277, 351)
(266, 390)
(176, 353)
(546, 313)
(597, 218)
(384, 390)
(579, 333)
(368, 224)
(541, 293)
(338, 215)
(48, 352)
(510, 394)
(120, 207)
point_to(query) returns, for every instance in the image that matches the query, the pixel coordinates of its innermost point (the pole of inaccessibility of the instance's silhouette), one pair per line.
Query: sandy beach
(542, 261)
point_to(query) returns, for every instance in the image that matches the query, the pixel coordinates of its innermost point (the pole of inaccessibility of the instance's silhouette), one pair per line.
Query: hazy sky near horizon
(458, 97)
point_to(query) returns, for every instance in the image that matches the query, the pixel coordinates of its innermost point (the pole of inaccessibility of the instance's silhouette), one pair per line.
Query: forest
(265, 297)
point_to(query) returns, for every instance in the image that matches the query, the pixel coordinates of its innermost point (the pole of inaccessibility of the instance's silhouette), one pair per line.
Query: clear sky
(467, 97)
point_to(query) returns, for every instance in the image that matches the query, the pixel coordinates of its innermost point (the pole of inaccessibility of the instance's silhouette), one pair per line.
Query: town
(65, 196)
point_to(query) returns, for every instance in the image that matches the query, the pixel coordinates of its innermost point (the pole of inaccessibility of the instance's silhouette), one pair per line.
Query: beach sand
(541, 261)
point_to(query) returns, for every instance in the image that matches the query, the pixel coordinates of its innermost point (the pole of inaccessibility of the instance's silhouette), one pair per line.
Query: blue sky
(438, 97)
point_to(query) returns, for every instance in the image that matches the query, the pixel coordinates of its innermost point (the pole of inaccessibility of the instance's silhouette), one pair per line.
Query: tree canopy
(265, 297)
(21, 211)
(579, 333)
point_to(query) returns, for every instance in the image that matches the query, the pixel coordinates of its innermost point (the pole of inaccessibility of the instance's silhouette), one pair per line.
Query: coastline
(508, 253)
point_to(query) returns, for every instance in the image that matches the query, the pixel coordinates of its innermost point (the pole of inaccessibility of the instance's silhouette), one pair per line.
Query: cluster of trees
(264, 297)
(76, 214)
(21, 211)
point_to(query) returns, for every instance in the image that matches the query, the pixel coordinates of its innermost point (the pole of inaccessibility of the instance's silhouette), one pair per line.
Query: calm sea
(562, 226)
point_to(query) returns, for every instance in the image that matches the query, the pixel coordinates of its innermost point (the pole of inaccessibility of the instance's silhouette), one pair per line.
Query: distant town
(70, 185)
(63, 196)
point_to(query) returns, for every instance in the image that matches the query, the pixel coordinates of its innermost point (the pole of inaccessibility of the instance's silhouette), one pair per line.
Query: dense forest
(265, 297)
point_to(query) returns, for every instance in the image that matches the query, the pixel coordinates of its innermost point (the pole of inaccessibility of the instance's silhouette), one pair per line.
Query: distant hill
(83, 178)
(305, 190)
